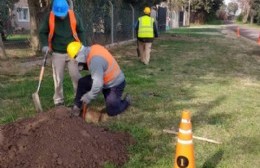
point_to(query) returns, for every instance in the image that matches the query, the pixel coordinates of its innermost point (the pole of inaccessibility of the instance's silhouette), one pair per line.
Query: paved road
(248, 32)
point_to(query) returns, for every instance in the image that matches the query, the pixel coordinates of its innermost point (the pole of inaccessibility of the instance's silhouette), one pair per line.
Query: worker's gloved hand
(85, 98)
(82, 66)
(45, 49)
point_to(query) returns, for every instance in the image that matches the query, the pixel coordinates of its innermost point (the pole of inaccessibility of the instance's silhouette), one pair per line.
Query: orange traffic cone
(238, 32)
(184, 157)
(258, 39)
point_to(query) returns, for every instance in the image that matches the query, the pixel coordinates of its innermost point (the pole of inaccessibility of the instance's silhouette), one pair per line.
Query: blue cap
(60, 8)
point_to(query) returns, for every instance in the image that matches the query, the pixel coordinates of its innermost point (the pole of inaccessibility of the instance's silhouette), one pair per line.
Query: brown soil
(54, 139)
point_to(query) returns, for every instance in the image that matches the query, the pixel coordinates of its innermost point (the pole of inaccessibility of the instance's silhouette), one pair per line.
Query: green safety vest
(145, 29)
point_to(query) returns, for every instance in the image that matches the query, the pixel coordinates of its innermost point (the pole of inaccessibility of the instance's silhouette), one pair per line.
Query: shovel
(35, 95)
(84, 111)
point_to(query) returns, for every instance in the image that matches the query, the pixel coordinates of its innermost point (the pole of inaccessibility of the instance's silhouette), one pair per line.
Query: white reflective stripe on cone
(185, 121)
(185, 142)
(185, 131)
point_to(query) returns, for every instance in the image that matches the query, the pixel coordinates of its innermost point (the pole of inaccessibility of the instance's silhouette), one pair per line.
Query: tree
(37, 9)
(5, 23)
(5, 17)
(143, 3)
(232, 8)
(204, 10)
(255, 13)
(246, 7)
(2, 49)
(221, 13)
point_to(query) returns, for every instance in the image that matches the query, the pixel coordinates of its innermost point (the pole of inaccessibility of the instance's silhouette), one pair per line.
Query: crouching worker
(105, 75)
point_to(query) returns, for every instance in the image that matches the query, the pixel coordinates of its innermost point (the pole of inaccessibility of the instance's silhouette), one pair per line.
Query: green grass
(18, 37)
(198, 69)
(215, 22)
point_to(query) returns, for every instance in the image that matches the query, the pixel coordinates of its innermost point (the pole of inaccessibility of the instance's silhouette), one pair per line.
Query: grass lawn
(214, 75)
(18, 37)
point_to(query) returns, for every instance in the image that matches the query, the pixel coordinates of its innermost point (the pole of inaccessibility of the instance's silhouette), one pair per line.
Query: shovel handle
(84, 110)
(42, 70)
(41, 73)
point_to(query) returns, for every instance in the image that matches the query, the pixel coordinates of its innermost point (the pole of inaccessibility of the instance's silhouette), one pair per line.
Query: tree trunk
(2, 49)
(34, 41)
(245, 18)
(251, 19)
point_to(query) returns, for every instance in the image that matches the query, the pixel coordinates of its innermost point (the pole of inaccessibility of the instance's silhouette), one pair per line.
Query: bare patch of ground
(53, 139)
(15, 67)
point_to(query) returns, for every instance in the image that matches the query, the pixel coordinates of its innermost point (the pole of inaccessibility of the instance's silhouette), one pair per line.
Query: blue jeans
(114, 104)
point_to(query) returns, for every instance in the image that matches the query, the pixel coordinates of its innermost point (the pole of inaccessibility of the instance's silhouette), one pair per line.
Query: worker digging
(105, 75)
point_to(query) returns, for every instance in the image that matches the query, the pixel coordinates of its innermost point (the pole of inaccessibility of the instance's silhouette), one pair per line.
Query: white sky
(227, 1)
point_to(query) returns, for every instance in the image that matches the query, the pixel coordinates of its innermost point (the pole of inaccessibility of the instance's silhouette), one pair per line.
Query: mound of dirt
(54, 139)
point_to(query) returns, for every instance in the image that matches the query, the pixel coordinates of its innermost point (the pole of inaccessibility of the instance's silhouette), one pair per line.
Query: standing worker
(105, 75)
(146, 31)
(59, 28)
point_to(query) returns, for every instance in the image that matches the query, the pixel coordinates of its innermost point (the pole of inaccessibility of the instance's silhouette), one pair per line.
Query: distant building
(21, 16)
(173, 16)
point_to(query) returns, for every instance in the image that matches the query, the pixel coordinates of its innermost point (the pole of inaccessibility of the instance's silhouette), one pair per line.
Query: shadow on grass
(17, 44)
(203, 116)
(255, 51)
(214, 160)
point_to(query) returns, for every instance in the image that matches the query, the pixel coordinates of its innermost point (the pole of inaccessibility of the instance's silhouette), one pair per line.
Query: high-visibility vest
(145, 29)
(113, 69)
(73, 26)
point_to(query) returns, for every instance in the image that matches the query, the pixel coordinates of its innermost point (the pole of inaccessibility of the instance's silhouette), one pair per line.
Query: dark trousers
(114, 104)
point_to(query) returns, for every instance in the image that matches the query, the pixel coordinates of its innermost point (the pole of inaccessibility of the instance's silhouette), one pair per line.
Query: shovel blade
(37, 102)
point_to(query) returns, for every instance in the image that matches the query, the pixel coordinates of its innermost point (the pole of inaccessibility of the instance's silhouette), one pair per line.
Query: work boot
(75, 111)
(128, 99)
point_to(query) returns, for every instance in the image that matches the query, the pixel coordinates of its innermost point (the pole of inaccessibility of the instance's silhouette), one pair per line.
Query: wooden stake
(194, 137)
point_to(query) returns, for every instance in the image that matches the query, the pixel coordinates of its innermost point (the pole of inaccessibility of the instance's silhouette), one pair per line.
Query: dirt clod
(54, 139)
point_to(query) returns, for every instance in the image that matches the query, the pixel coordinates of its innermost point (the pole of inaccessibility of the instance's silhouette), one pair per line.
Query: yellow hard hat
(73, 48)
(147, 10)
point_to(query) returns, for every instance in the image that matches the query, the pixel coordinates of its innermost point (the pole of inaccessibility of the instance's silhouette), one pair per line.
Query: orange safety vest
(73, 26)
(113, 69)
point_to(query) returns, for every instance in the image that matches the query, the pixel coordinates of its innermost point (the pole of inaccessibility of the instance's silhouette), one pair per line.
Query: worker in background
(105, 75)
(146, 31)
(58, 29)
